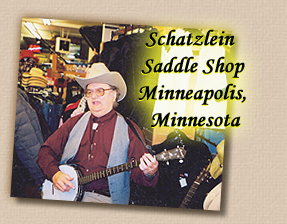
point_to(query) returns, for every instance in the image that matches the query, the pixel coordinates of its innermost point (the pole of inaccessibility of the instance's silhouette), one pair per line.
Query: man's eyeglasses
(98, 91)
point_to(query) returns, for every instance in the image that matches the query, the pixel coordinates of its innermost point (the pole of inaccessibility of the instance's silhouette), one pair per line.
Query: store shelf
(77, 74)
(64, 69)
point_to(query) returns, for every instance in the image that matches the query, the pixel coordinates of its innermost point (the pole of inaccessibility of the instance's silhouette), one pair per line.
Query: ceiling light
(47, 22)
(32, 30)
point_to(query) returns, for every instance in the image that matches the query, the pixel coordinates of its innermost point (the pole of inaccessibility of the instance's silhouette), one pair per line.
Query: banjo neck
(176, 153)
(108, 172)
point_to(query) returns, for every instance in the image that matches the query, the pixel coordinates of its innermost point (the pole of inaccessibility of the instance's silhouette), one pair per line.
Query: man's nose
(94, 95)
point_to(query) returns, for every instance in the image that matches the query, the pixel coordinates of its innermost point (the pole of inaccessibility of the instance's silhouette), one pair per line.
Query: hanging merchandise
(60, 85)
(70, 108)
(74, 92)
(49, 105)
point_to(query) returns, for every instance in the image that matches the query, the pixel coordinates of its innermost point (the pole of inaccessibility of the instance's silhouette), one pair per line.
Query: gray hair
(116, 104)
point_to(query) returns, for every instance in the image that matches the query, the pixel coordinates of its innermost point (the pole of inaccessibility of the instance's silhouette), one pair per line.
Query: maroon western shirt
(94, 150)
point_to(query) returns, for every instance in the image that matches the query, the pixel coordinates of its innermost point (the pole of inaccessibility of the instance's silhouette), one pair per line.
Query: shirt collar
(104, 118)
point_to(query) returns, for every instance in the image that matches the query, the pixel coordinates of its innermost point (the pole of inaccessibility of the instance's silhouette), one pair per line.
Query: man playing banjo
(99, 139)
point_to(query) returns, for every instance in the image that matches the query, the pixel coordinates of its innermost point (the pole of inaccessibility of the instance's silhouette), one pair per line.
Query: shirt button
(87, 170)
(95, 143)
(92, 157)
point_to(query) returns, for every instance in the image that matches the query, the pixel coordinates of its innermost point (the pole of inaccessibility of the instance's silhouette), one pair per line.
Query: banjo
(51, 193)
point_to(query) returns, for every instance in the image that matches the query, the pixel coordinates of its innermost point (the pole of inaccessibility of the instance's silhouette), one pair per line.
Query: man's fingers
(149, 160)
(65, 186)
(69, 178)
(67, 182)
(60, 187)
(150, 157)
(148, 164)
(62, 181)
(142, 164)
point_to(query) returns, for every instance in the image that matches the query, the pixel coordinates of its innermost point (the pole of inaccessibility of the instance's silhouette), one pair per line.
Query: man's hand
(148, 164)
(62, 182)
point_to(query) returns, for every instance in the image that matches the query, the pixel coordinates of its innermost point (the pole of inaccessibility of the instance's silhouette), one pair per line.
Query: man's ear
(115, 95)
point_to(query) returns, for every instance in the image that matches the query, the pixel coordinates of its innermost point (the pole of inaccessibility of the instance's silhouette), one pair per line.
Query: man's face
(100, 105)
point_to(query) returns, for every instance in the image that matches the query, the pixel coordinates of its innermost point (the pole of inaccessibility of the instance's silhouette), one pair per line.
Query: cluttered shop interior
(54, 52)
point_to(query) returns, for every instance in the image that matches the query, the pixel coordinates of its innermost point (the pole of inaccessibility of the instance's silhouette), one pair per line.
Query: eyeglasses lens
(99, 92)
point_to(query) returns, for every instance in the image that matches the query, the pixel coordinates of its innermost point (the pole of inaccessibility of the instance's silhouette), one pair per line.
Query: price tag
(182, 182)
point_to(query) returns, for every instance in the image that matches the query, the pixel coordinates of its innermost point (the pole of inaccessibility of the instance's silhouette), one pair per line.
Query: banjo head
(50, 193)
